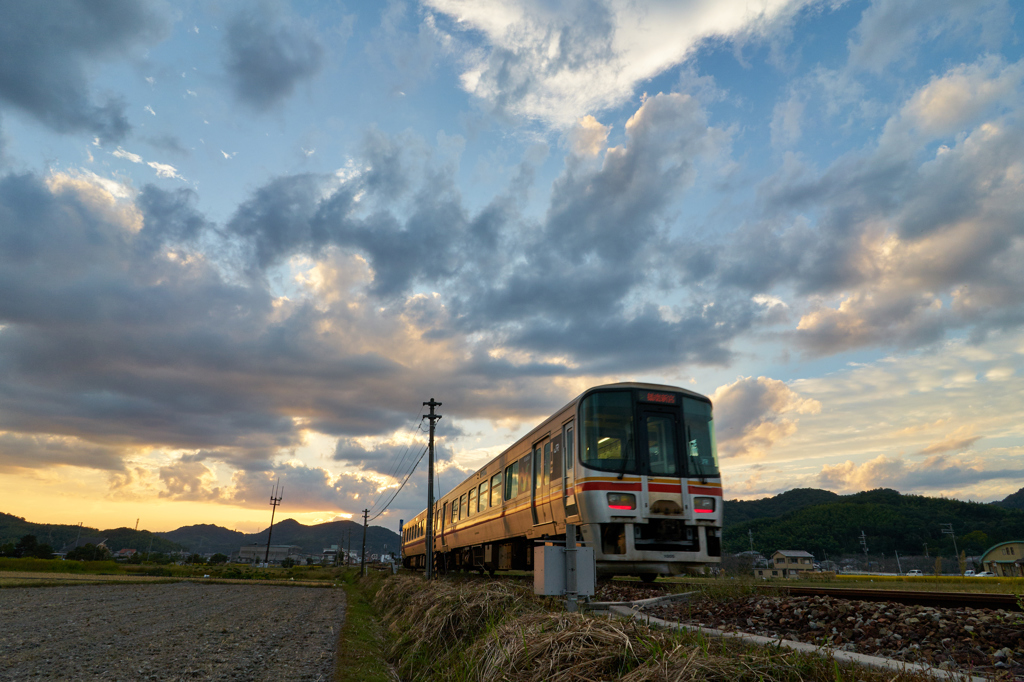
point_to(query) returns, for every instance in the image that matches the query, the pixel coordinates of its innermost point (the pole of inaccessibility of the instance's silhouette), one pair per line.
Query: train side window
(511, 480)
(524, 473)
(556, 461)
(463, 509)
(472, 502)
(455, 510)
(481, 498)
(569, 448)
(496, 489)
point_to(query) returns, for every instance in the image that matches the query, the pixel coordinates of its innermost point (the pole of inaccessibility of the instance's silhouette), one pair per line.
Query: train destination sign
(663, 398)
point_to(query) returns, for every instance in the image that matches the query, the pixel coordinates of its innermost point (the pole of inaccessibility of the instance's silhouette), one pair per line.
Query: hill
(13, 528)
(891, 521)
(1012, 501)
(207, 538)
(738, 511)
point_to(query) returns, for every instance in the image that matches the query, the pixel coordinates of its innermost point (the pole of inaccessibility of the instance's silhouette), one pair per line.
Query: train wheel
(648, 577)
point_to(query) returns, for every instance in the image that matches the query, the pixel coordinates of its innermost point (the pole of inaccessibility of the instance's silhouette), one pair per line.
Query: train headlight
(704, 505)
(621, 501)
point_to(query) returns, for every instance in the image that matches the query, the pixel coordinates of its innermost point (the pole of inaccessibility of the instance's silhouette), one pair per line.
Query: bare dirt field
(178, 631)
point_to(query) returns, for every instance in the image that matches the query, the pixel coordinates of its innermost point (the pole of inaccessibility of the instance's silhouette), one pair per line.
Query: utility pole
(348, 552)
(750, 533)
(947, 529)
(275, 499)
(864, 544)
(136, 524)
(362, 559)
(898, 566)
(430, 487)
(926, 549)
(401, 526)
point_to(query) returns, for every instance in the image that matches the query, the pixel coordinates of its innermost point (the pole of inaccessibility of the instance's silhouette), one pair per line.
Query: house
(1005, 559)
(124, 554)
(787, 563)
(257, 553)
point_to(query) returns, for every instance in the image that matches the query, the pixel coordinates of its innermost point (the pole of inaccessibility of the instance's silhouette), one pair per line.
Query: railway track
(974, 600)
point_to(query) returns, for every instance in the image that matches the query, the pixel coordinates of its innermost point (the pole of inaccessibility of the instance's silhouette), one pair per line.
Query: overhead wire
(418, 460)
(397, 471)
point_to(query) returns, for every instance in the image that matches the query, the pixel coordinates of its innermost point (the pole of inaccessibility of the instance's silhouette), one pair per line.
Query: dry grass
(500, 632)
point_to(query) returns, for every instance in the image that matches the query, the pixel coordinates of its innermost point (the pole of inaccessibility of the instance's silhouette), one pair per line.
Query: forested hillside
(891, 521)
(738, 511)
(312, 539)
(13, 528)
(1014, 501)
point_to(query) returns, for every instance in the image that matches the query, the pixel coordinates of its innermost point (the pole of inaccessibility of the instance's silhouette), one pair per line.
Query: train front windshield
(626, 435)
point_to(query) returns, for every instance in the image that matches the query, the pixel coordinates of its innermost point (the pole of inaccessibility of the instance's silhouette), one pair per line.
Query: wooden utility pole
(362, 564)
(430, 488)
(275, 499)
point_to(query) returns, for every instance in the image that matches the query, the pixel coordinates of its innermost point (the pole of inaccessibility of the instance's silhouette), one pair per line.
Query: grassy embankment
(471, 630)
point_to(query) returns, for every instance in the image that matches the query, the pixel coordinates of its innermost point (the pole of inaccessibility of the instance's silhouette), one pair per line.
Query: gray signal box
(552, 575)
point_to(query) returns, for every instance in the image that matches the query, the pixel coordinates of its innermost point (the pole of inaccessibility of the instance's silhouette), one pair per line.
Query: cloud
(899, 244)
(588, 137)
(559, 62)
(889, 29)
(268, 53)
(41, 451)
(961, 439)
(45, 52)
(937, 472)
(749, 415)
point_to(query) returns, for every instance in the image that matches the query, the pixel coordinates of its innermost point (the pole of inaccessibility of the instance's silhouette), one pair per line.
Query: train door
(569, 471)
(540, 489)
(659, 441)
(444, 513)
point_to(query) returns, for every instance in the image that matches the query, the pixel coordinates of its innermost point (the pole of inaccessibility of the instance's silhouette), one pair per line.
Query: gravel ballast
(978, 640)
(178, 631)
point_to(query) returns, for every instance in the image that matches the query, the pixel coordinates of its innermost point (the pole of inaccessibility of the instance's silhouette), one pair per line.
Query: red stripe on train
(700, 490)
(607, 485)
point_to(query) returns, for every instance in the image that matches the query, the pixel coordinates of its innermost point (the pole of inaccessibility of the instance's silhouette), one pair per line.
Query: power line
(403, 483)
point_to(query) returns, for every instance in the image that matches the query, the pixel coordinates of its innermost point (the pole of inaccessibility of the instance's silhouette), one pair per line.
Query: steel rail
(974, 600)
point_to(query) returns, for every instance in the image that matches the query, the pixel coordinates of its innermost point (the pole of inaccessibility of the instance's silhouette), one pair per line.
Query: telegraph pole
(362, 559)
(430, 487)
(275, 499)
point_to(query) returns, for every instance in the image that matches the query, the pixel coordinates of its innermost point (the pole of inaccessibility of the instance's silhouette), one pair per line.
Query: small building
(787, 563)
(256, 553)
(124, 554)
(1005, 559)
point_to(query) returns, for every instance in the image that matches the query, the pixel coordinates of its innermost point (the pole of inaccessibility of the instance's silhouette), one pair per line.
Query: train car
(634, 466)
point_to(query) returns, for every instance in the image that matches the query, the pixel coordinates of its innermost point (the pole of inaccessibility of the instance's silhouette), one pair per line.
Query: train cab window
(511, 480)
(496, 489)
(524, 473)
(472, 502)
(481, 498)
(701, 449)
(463, 509)
(608, 432)
(661, 444)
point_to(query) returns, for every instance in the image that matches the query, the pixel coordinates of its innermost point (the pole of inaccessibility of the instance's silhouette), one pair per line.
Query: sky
(243, 242)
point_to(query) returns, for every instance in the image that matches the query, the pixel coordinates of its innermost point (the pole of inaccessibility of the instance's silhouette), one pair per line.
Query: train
(634, 466)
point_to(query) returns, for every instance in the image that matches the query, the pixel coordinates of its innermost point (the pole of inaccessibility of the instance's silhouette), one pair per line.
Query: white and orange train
(633, 465)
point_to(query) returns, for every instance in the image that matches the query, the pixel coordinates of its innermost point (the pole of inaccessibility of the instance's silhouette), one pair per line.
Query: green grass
(360, 643)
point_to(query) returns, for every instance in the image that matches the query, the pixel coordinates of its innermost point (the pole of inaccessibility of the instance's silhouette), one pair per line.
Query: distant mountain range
(313, 539)
(822, 522)
(207, 538)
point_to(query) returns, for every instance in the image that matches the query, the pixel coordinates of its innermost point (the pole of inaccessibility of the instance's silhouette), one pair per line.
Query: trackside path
(178, 631)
